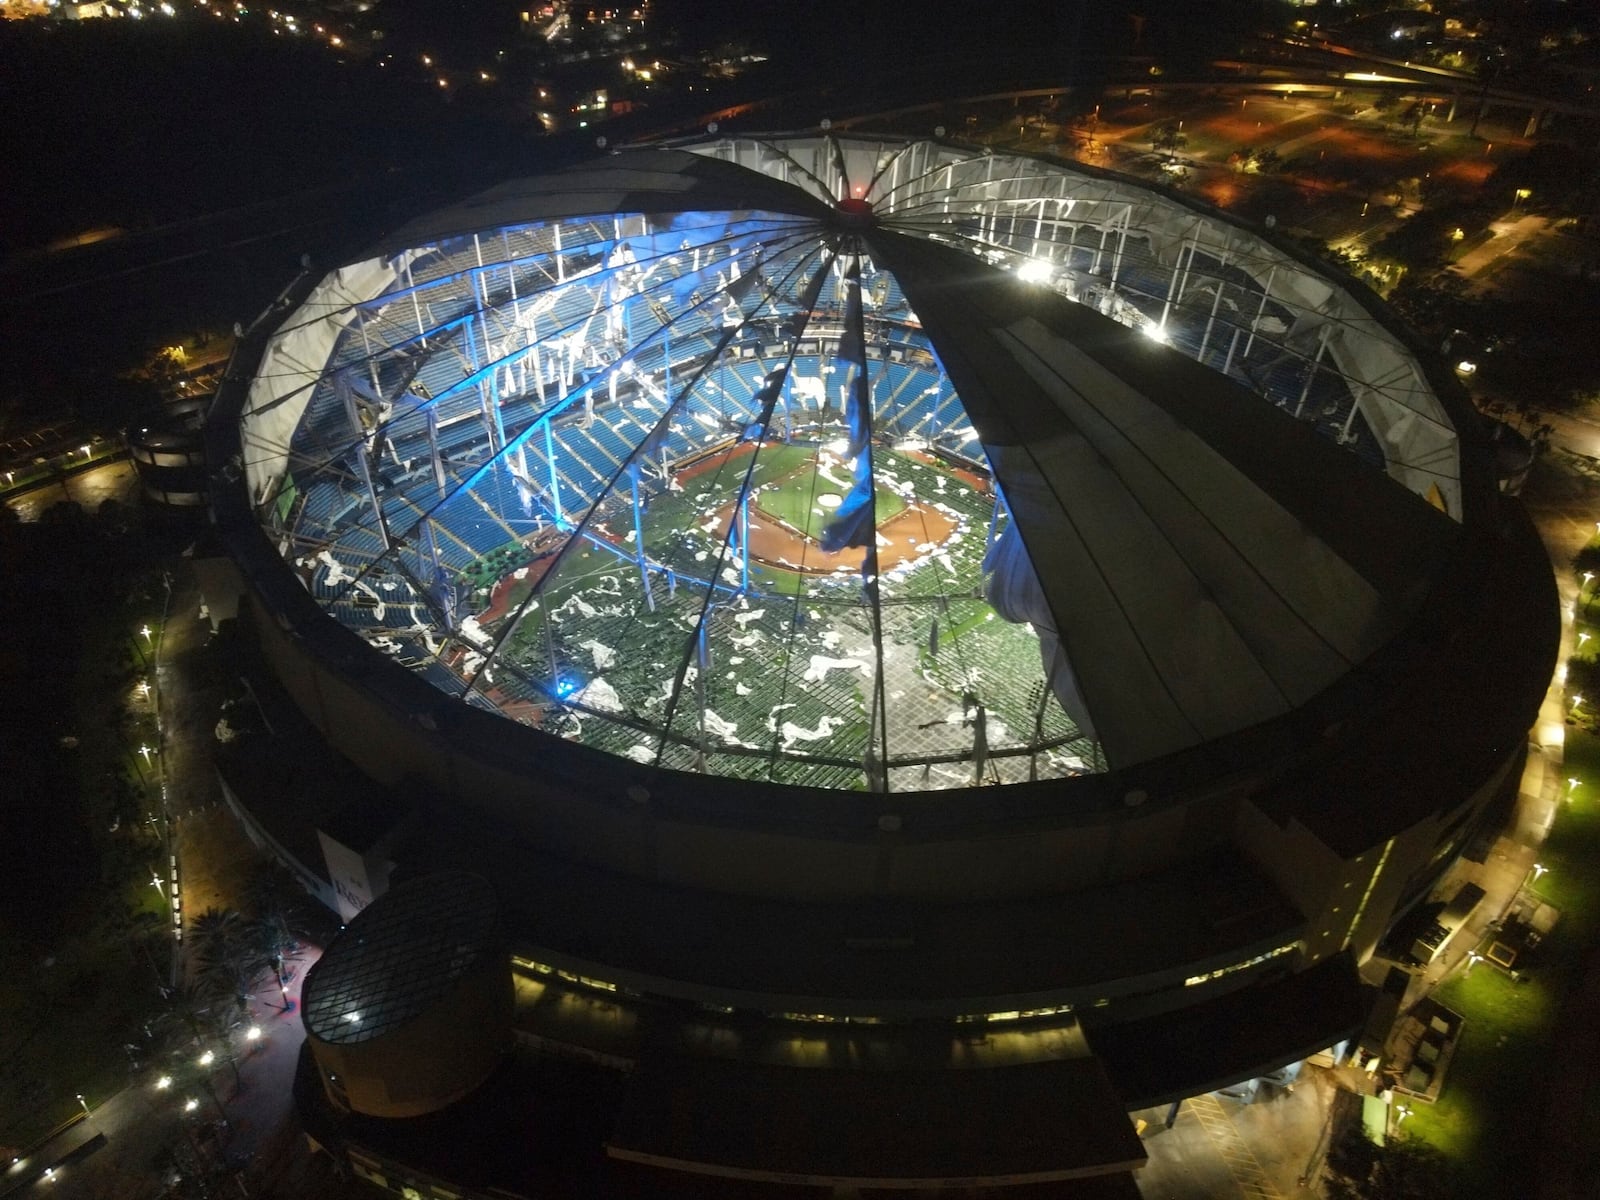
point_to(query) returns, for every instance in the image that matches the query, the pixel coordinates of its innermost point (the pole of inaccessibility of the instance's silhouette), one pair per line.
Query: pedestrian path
(1246, 1169)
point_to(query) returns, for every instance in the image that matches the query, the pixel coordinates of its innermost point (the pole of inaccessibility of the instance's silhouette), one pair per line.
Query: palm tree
(282, 913)
(193, 1007)
(227, 954)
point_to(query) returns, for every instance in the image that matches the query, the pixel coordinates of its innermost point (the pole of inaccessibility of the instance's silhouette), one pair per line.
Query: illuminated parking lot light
(1538, 870)
(190, 1104)
(207, 1059)
(163, 1083)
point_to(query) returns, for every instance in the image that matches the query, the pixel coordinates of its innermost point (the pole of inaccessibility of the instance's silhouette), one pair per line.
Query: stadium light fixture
(1035, 270)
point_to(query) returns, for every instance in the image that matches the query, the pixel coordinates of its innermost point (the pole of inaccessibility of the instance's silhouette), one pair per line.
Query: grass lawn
(1495, 1085)
(72, 996)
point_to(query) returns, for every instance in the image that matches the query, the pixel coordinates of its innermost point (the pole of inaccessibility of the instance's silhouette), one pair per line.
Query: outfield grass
(792, 481)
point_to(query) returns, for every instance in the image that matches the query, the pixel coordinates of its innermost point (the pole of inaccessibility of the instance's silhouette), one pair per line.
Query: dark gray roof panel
(641, 181)
(400, 956)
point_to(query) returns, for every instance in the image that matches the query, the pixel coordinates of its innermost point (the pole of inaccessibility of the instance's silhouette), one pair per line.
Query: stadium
(844, 580)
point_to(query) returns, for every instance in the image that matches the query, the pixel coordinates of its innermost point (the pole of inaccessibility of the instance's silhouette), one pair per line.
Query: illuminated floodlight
(207, 1059)
(1035, 270)
(1466, 367)
(253, 1034)
(163, 1083)
(190, 1104)
(1156, 333)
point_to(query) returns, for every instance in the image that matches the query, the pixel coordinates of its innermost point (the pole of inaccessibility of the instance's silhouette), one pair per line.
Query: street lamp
(1473, 959)
(145, 750)
(1576, 700)
(1401, 1113)
(84, 1104)
(253, 1034)
(207, 1058)
(163, 1083)
(190, 1104)
(1572, 783)
(146, 632)
(1538, 870)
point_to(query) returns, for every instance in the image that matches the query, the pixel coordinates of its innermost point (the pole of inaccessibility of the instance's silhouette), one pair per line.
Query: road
(90, 488)
(1507, 236)
(128, 1143)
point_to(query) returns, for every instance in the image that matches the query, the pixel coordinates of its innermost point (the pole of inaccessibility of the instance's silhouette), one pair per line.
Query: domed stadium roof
(854, 462)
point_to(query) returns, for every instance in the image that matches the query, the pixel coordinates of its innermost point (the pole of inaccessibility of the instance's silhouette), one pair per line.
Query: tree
(227, 954)
(1401, 1169)
(1167, 137)
(282, 915)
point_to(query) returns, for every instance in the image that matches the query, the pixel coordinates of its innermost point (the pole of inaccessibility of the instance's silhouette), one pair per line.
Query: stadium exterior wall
(559, 799)
(431, 1061)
